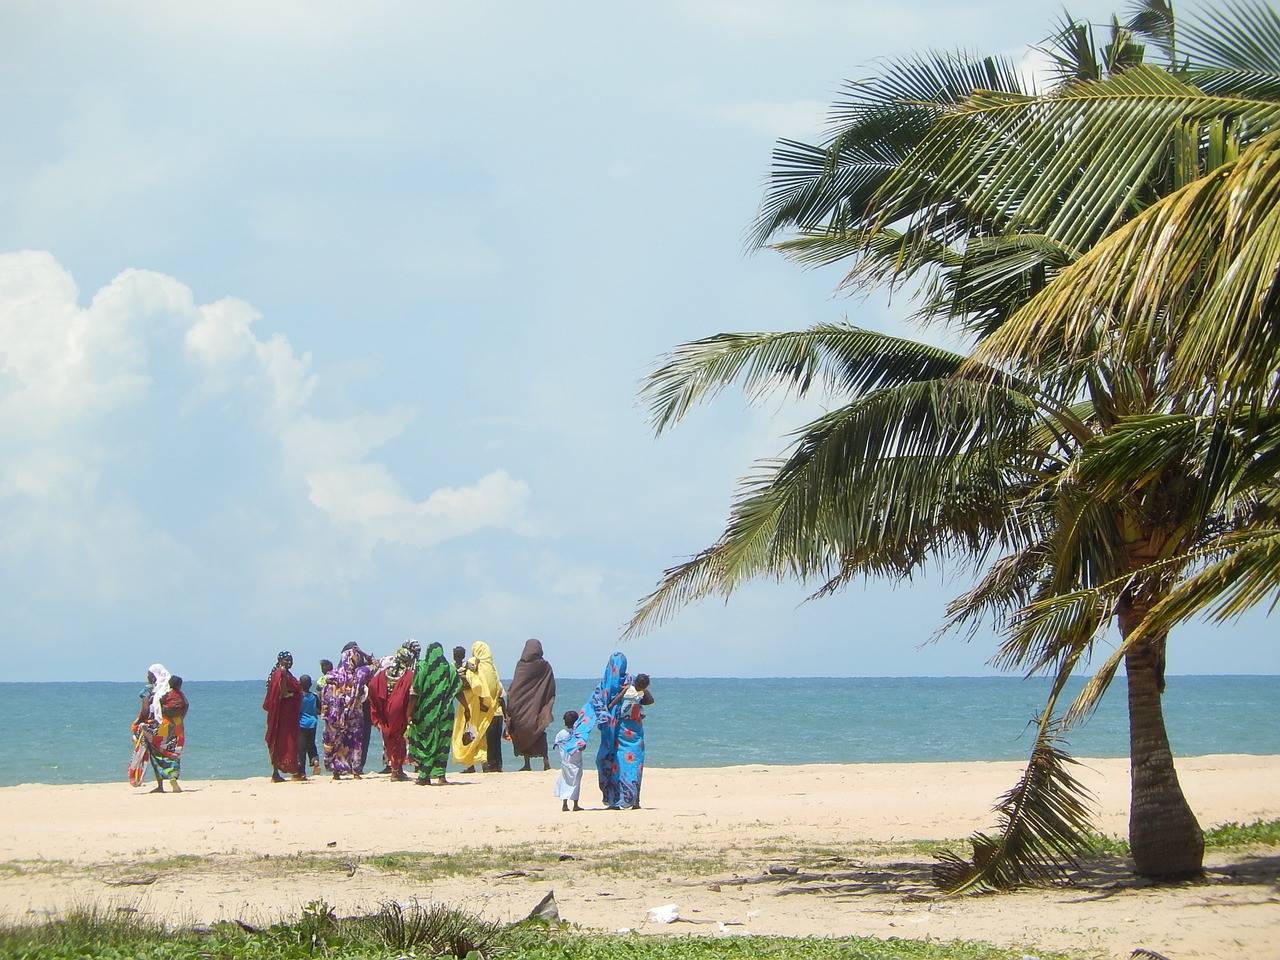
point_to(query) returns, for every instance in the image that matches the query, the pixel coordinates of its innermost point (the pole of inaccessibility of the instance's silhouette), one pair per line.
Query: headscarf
(483, 664)
(402, 661)
(530, 698)
(596, 712)
(158, 689)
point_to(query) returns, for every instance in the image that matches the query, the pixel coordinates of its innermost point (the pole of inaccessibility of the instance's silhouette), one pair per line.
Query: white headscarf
(160, 688)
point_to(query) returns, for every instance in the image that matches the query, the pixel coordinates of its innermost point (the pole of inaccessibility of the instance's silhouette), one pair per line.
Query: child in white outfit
(569, 782)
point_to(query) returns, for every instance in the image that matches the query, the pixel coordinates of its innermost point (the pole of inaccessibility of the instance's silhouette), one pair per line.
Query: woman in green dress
(436, 689)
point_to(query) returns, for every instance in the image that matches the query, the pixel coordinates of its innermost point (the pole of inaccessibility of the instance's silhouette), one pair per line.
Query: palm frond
(1071, 166)
(879, 121)
(1241, 38)
(870, 488)
(1005, 587)
(1044, 822)
(1199, 271)
(1248, 576)
(836, 356)
(1040, 637)
(1153, 20)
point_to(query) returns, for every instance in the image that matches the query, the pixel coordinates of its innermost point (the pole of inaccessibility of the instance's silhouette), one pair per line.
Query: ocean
(79, 732)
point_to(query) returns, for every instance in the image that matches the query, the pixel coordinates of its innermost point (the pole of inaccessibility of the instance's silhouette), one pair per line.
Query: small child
(635, 694)
(307, 729)
(569, 782)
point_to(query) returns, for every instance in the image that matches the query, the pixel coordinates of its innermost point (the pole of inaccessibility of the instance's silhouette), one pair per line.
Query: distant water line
(79, 732)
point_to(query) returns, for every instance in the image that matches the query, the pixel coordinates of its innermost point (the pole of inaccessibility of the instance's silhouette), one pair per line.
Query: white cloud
(61, 364)
(76, 395)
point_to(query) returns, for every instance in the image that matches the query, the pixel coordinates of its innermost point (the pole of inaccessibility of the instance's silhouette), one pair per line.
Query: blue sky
(324, 322)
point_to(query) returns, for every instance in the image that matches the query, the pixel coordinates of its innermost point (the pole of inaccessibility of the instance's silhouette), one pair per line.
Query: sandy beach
(810, 850)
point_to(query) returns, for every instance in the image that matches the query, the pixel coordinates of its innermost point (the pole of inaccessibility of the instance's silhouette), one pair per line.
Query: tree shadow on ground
(912, 880)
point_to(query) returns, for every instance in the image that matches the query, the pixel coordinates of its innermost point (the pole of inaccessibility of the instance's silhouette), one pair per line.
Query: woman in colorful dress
(599, 714)
(435, 690)
(630, 746)
(530, 701)
(283, 703)
(342, 703)
(158, 731)
(482, 694)
(389, 693)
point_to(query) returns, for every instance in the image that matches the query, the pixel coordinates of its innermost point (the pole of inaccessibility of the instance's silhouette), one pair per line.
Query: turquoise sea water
(79, 732)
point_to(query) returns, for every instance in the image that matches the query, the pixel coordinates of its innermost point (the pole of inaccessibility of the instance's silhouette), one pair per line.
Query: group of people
(428, 710)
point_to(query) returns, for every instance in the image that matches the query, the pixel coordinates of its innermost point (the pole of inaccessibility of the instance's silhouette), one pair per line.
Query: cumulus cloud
(78, 394)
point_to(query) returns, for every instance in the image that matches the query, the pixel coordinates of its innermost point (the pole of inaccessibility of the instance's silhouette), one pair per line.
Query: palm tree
(1082, 455)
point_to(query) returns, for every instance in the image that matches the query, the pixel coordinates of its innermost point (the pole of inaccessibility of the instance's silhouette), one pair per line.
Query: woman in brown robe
(531, 698)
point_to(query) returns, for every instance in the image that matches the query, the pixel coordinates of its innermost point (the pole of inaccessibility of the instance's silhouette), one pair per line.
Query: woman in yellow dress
(483, 692)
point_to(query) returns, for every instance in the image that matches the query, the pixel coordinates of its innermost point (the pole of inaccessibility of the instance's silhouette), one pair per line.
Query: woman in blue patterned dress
(620, 759)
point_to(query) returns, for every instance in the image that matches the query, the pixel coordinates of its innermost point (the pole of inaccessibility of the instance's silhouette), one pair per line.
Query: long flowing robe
(435, 688)
(598, 714)
(389, 707)
(629, 753)
(569, 780)
(138, 762)
(158, 730)
(482, 691)
(342, 705)
(167, 738)
(283, 704)
(531, 699)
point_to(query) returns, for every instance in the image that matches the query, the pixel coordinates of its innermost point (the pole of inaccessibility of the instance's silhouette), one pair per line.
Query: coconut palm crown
(1104, 448)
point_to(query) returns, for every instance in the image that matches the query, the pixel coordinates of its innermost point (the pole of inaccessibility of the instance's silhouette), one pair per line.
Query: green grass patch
(398, 931)
(19, 868)
(1102, 845)
(568, 946)
(1264, 832)
(1222, 837)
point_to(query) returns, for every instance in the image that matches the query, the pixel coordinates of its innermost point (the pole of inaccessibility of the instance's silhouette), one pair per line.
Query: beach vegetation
(1102, 447)
(395, 931)
(1264, 833)
(20, 867)
(1226, 836)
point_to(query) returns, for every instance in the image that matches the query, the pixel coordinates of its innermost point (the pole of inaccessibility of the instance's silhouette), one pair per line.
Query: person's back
(310, 716)
(569, 781)
(308, 720)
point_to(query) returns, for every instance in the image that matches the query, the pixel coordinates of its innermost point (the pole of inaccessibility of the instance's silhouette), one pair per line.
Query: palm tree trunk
(1164, 835)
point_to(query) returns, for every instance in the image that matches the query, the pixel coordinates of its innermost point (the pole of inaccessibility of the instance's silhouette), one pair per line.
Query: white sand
(749, 818)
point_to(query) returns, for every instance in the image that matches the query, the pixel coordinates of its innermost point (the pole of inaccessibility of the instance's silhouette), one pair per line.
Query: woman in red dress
(283, 704)
(389, 693)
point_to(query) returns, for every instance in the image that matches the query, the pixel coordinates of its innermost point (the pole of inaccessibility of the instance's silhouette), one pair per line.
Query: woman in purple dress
(342, 700)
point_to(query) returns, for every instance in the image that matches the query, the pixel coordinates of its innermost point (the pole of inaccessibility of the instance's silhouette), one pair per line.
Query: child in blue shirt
(307, 728)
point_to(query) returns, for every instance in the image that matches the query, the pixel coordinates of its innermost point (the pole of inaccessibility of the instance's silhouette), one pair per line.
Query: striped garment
(435, 689)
